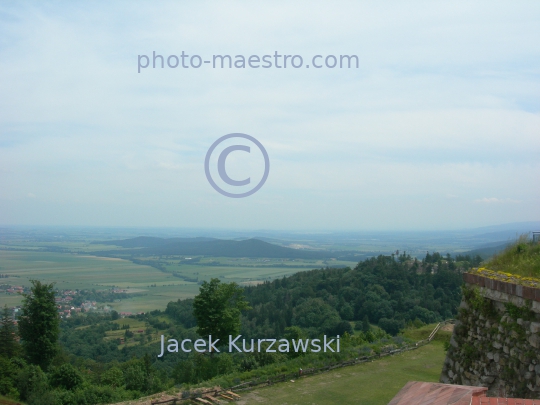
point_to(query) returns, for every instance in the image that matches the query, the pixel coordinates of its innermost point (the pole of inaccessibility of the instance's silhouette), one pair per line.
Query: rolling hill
(147, 246)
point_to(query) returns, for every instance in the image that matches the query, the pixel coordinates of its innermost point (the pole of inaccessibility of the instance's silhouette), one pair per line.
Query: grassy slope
(521, 258)
(367, 384)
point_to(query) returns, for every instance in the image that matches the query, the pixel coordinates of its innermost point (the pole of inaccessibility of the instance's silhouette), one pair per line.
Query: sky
(437, 128)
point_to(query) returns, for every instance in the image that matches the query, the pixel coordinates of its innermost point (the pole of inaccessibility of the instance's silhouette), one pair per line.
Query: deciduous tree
(217, 309)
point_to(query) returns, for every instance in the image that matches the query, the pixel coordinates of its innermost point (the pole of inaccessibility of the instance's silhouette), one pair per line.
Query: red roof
(504, 401)
(423, 393)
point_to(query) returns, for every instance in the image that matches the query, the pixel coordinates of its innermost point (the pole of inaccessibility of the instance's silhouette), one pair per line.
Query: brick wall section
(528, 293)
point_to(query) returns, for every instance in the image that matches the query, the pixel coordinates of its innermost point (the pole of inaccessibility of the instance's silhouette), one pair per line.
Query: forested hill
(212, 247)
(386, 291)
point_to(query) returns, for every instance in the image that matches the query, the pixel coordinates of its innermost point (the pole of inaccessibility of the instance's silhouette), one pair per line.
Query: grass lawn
(373, 383)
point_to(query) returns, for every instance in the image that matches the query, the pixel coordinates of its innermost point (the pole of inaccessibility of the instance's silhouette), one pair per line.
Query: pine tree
(366, 327)
(8, 332)
(39, 325)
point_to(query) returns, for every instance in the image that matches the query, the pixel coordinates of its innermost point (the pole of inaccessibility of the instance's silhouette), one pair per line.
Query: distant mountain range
(150, 241)
(146, 246)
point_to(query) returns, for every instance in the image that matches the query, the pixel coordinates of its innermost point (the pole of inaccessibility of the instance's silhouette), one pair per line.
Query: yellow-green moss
(507, 277)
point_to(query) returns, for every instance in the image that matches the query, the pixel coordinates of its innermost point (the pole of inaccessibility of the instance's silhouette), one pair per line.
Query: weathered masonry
(496, 340)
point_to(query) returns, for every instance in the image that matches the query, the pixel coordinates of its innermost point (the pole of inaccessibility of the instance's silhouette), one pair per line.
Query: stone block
(453, 342)
(534, 340)
(487, 379)
(535, 327)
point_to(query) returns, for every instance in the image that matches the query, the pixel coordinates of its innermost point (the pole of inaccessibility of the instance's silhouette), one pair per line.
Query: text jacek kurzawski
(250, 345)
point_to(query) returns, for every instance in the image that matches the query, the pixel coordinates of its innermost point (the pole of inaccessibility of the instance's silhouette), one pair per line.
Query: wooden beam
(226, 396)
(213, 399)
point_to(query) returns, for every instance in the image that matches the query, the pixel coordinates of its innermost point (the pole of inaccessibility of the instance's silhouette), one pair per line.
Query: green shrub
(516, 312)
(66, 376)
(134, 378)
(31, 381)
(113, 377)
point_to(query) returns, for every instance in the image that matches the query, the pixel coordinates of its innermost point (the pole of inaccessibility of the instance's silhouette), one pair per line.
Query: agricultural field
(151, 288)
(70, 271)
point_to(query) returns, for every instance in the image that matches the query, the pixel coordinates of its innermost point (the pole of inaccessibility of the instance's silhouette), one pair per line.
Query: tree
(391, 326)
(341, 328)
(135, 378)
(113, 377)
(31, 381)
(8, 343)
(39, 324)
(366, 327)
(217, 309)
(8, 377)
(315, 313)
(66, 376)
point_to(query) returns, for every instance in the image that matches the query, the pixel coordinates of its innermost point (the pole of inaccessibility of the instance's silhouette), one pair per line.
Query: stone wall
(496, 339)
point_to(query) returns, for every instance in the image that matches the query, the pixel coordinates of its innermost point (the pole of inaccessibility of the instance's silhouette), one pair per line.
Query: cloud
(444, 104)
(494, 200)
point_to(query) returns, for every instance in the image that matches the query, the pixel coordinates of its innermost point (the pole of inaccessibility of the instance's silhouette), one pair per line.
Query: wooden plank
(165, 401)
(226, 396)
(203, 401)
(232, 394)
(213, 399)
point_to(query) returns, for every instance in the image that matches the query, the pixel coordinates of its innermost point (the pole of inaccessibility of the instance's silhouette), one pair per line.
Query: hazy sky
(439, 127)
